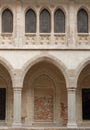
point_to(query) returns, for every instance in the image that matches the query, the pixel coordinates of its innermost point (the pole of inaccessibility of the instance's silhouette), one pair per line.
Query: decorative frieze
(60, 39)
(30, 39)
(83, 39)
(44, 39)
(6, 39)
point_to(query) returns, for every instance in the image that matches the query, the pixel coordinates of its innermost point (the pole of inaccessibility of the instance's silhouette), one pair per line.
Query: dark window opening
(30, 21)
(86, 104)
(59, 22)
(45, 21)
(2, 103)
(7, 21)
(82, 21)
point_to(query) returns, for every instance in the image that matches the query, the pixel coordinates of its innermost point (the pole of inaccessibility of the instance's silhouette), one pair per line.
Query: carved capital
(17, 82)
(71, 90)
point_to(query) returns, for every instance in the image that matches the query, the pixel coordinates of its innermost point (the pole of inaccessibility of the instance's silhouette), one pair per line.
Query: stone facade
(44, 73)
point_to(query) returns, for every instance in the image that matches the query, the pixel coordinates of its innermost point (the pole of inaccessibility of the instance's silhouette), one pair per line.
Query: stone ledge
(41, 128)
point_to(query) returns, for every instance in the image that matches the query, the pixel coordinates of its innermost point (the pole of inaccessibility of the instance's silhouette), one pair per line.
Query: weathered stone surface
(56, 63)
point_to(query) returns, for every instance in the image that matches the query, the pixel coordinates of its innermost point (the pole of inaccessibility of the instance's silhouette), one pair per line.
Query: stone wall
(43, 104)
(41, 71)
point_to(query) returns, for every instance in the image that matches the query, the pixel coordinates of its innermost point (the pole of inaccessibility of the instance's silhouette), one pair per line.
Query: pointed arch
(59, 21)
(6, 89)
(48, 58)
(83, 90)
(7, 21)
(82, 21)
(8, 67)
(30, 21)
(81, 66)
(42, 77)
(45, 21)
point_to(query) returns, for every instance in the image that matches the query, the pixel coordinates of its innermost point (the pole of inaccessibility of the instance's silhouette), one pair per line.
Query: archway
(44, 95)
(6, 96)
(83, 92)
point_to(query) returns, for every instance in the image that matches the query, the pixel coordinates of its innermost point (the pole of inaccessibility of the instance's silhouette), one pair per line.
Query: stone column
(52, 27)
(17, 107)
(72, 108)
(37, 26)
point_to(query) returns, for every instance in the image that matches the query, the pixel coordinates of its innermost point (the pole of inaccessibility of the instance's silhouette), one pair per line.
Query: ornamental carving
(30, 39)
(83, 39)
(6, 39)
(60, 39)
(44, 39)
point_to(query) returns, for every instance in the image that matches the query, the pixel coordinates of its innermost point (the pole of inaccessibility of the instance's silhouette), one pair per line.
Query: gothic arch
(7, 15)
(6, 87)
(28, 8)
(61, 8)
(46, 8)
(59, 64)
(81, 66)
(43, 75)
(30, 21)
(8, 67)
(82, 7)
(85, 8)
(59, 21)
(82, 21)
(45, 21)
(82, 79)
(7, 7)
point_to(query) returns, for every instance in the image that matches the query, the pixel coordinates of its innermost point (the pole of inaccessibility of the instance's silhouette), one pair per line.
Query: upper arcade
(54, 24)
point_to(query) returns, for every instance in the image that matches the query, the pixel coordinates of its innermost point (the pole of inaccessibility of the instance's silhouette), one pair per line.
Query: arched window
(59, 21)
(82, 21)
(45, 21)
(30, 21)
(7, 21)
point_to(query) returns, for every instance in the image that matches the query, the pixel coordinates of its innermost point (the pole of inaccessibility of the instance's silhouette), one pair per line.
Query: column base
(16, 124)
(72, 125)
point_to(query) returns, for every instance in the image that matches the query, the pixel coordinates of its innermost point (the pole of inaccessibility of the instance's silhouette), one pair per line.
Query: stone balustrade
(6, 40)
(83, 39)
(44, 41)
